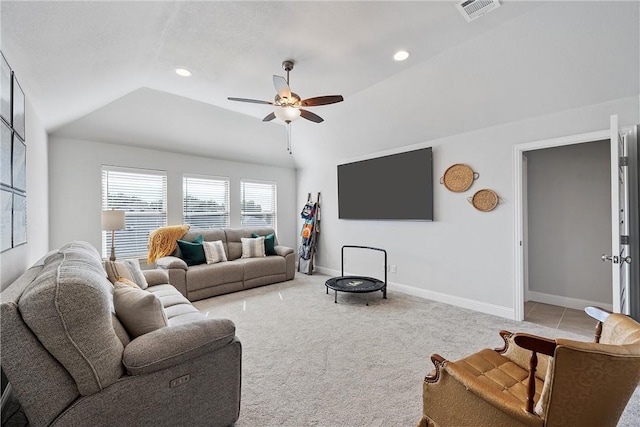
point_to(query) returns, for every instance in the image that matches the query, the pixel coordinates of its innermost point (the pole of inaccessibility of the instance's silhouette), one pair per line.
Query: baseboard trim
(483, 307)
(575, 303)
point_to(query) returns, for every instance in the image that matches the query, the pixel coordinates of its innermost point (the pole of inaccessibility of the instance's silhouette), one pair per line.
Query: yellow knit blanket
(162, 241)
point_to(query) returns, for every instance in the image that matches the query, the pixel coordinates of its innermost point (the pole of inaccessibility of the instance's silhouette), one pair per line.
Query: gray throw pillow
(139, 311)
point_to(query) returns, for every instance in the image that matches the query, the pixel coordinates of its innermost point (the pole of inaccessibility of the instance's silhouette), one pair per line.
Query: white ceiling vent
(473, 9)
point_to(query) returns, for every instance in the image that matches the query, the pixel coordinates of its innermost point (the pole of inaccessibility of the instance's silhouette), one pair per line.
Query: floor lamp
(112, 220)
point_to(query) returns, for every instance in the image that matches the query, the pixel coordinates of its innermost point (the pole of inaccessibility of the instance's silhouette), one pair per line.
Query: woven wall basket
(459, 177)
(484, 200)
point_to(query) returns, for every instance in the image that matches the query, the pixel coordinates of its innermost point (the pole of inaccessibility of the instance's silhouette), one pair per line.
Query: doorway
(625, 214)
(567, 226)
(522, 231)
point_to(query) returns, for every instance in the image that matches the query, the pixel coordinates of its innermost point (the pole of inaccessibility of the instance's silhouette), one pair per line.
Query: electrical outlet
(394, 268)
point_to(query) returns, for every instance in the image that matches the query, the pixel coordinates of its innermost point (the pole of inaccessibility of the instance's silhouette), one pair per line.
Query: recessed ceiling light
(401, 55)
(183, 72)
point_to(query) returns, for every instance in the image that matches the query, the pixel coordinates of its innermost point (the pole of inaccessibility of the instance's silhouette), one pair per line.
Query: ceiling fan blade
(282, 87)
(269, 117)
(311, 116)
(321, 100)
(254, 101)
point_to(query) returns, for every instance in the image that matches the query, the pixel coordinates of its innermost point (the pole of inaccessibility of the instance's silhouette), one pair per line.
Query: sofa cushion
(128, 269)
(214, 252)
(259, 267)
(69, 308)
(192, 252)
(207, 275)
(269, 243)
(177, 308)
(139, 311)
(252, 247)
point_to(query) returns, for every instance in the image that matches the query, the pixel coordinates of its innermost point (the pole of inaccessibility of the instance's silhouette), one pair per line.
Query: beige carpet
(310, 362)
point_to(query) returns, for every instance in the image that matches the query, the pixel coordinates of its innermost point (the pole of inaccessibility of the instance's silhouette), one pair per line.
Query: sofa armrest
(172, 345)
(168, 262)
(156, 277)
(283, 250)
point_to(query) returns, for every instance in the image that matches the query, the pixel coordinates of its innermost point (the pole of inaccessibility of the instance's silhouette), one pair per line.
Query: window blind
(259, 201)
(142, 194)
(205, 201)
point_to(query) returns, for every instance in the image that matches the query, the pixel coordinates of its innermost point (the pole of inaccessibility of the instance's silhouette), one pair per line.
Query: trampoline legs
(335, 298)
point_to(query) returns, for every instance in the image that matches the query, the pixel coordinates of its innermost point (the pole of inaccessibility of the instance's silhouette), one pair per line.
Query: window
(205, 201)
(142, 194)
(258, 204)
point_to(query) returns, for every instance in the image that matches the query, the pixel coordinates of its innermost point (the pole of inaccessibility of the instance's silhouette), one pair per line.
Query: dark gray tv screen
(396, 187)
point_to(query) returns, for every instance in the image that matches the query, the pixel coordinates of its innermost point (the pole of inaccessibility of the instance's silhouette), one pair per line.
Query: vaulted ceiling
(104, 71)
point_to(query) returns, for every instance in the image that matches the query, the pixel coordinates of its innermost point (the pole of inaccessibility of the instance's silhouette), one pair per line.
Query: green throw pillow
(192, 252)
(269, 243)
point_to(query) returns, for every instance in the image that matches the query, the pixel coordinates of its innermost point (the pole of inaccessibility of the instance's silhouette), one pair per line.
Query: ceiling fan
(288, 104)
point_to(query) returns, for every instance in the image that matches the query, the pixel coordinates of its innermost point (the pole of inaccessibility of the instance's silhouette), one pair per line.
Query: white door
(619, 257)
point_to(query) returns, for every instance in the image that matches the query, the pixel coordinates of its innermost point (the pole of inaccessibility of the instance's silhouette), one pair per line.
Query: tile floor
(561, 318)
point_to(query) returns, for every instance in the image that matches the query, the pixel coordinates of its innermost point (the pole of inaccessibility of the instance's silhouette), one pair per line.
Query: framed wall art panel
(5, 91)
(19, 164)
(5, 155)
(18, 109)
(19, 219)
(6, 206)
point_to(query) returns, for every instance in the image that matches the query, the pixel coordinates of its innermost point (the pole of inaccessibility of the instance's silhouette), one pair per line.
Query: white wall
(75, 186)
(14, 262)
(569, 220)
(465, 257)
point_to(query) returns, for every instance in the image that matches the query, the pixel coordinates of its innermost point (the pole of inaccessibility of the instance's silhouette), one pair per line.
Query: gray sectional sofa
(207, 280)
(71, 361)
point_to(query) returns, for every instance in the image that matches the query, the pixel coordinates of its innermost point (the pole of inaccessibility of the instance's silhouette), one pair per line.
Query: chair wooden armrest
(537, 345)
(600, 314)
(434, 375)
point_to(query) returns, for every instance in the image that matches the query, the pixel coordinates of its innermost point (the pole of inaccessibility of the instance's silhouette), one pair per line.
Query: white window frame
(216, 181)
(133, 241)
(273, 212)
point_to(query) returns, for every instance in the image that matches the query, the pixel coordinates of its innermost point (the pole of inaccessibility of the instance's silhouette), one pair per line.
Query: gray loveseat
(207, 280)
(71, 362)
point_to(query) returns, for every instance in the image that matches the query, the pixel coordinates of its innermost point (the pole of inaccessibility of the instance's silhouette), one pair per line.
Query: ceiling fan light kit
(287, 114)
(287, 104)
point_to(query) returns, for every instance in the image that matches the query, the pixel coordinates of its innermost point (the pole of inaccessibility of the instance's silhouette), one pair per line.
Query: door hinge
(624, 240)
(624, 161)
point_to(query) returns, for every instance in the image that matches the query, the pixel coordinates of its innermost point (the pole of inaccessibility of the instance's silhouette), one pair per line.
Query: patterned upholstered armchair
(535, 381)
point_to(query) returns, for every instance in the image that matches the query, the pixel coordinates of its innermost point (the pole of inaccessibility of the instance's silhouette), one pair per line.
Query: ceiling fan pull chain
(289, 138)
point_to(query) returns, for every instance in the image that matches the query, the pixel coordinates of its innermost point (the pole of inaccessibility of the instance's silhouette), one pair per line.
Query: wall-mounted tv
(395, 187)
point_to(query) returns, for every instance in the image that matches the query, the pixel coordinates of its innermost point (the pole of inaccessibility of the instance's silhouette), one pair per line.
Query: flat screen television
(395, 187)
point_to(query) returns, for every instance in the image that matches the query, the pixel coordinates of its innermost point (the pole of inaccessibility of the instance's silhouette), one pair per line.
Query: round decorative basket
(459, 177)
(484, 200)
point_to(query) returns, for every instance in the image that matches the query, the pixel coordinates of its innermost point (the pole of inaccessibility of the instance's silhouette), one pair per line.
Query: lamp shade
(287, 114)
(112, 220)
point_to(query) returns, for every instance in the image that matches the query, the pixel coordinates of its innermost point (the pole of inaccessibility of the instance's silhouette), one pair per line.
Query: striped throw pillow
(129, 269)
(252, 248)
(214, 251)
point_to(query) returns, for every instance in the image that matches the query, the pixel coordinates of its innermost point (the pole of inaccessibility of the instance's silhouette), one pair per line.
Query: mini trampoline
(358, 284)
